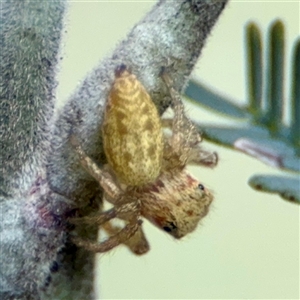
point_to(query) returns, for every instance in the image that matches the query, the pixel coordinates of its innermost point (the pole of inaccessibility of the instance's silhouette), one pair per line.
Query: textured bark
(31, 231)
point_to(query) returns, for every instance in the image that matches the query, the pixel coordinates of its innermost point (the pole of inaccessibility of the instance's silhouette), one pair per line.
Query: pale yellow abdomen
(132, 132)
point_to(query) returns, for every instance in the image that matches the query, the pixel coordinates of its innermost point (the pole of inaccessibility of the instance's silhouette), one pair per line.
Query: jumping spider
(146, 174)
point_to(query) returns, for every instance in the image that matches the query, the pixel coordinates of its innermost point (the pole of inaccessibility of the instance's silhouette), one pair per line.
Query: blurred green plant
(259, 129)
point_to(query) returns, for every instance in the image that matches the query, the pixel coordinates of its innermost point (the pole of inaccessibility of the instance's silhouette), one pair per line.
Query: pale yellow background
(248, 246)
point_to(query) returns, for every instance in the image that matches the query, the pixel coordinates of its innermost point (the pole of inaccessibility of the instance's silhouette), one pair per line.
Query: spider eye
(167, 229)
(170, 227)
(201, 187)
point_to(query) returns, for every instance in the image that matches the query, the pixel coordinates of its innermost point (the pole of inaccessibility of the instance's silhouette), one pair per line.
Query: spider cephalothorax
(175, 203)
(146, 174)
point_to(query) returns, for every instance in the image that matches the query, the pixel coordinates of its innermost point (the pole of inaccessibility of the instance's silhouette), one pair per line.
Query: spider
(146, 174)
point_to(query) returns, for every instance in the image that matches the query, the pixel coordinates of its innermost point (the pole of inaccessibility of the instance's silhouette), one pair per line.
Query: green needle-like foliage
(274, 82)
(259, 130)
(295, 98)
(254, 68)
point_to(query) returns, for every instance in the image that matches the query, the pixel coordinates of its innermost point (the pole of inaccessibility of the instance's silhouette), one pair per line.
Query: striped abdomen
(132, 133)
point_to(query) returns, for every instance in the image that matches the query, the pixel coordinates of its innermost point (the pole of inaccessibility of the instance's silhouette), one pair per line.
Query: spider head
(176, 203)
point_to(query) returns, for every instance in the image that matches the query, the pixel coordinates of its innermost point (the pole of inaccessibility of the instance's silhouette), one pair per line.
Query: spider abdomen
(132, 132)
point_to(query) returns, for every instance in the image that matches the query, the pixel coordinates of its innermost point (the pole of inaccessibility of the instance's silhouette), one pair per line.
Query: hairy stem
(29, 42)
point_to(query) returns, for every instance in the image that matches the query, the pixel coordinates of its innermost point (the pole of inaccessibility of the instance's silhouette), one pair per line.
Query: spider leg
(103, 177)
(96, 220)
(185, 136)
(137, 244)
(167, 122)
(126, 233)
(201, 157)
(125, 208)
(184, 133)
